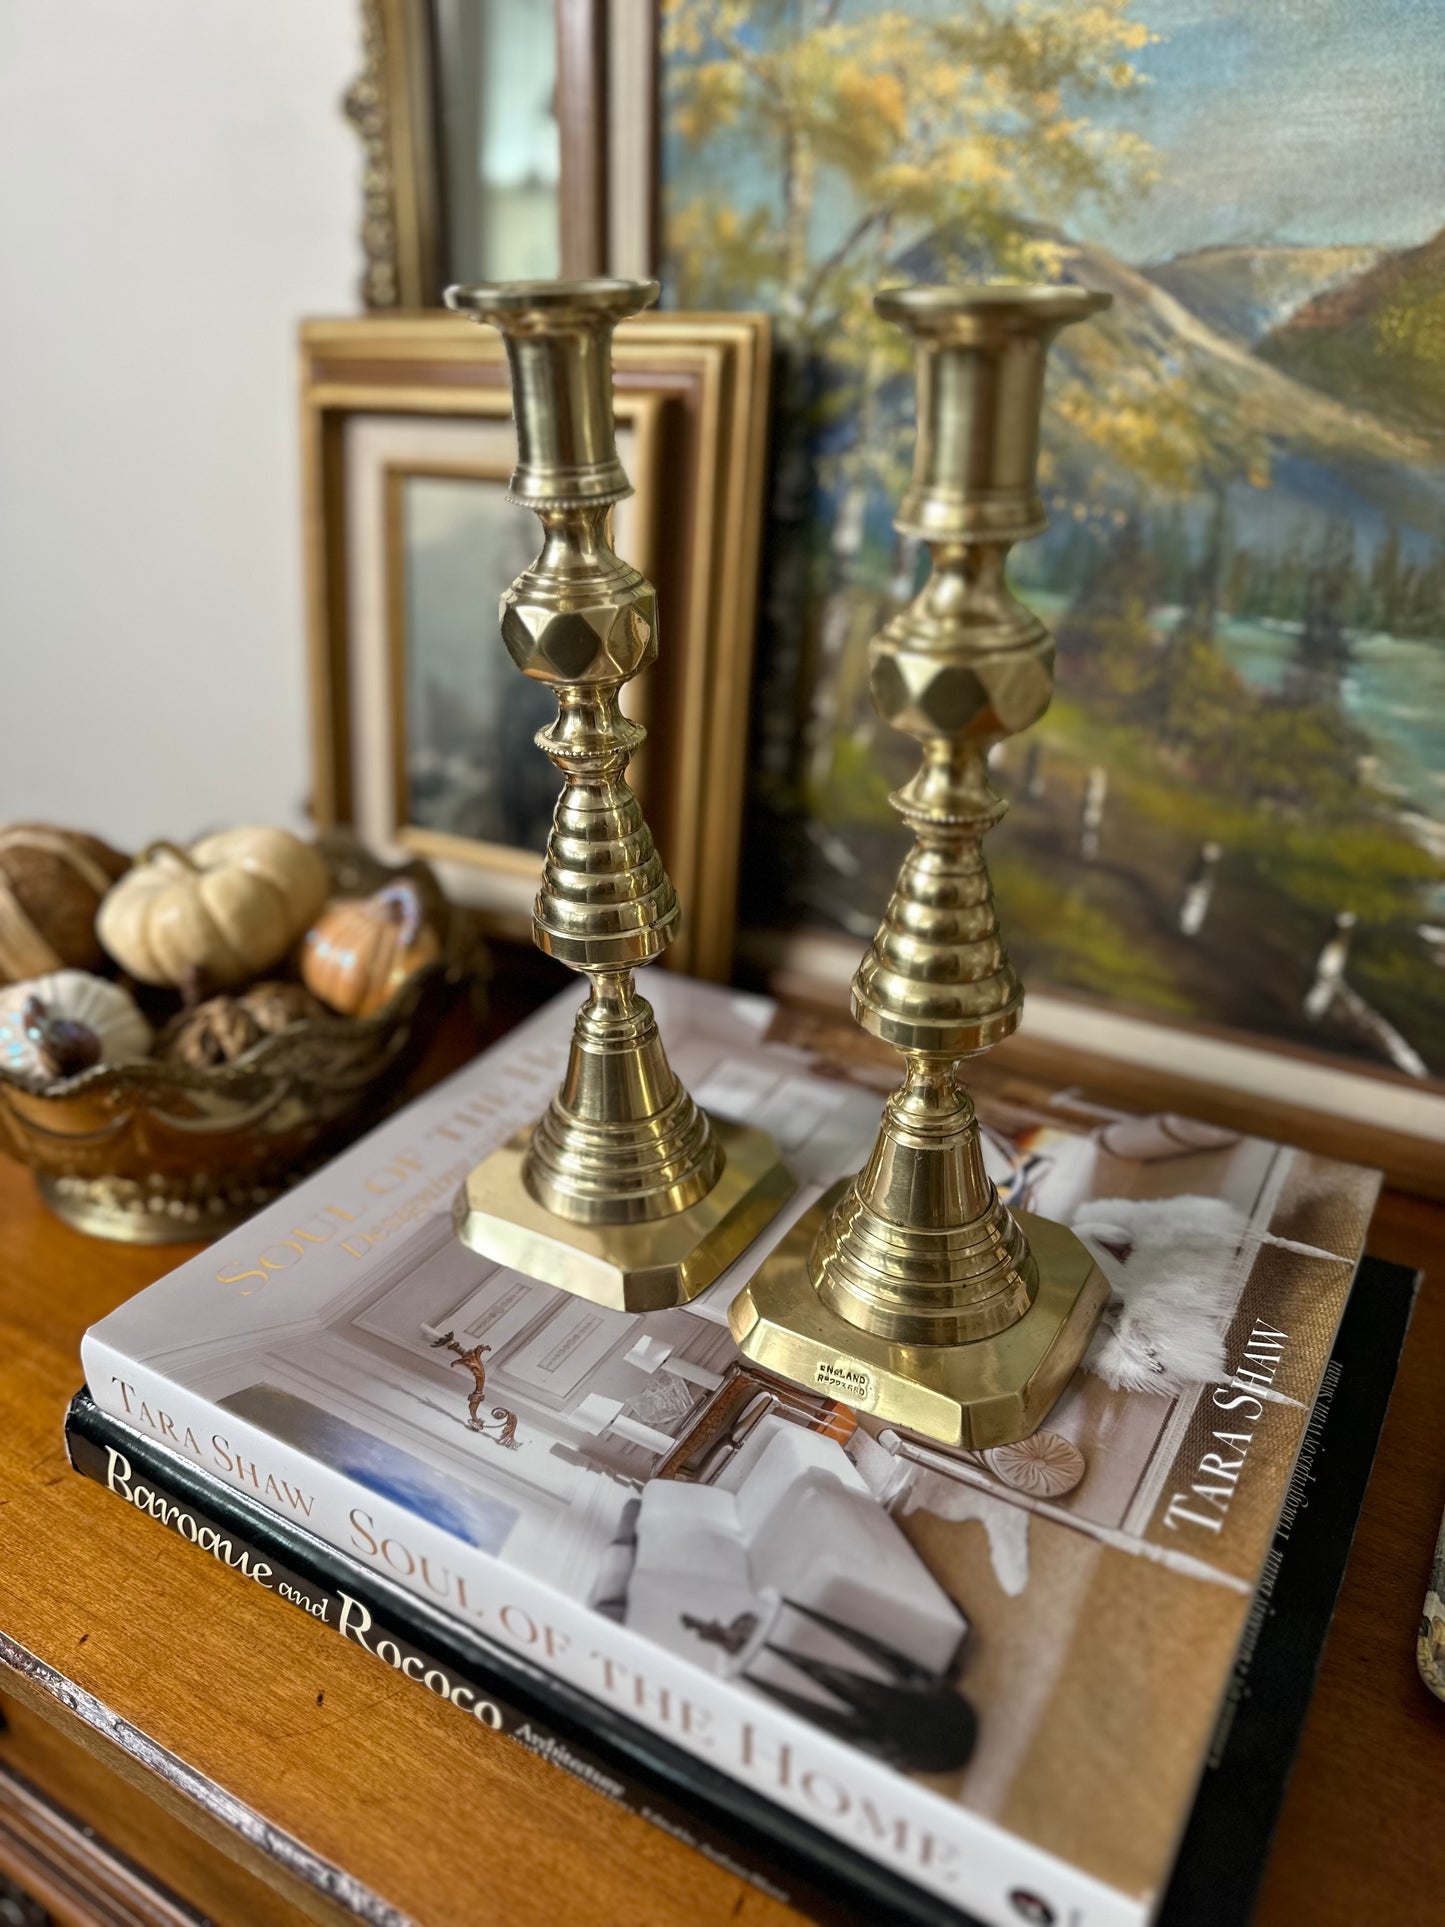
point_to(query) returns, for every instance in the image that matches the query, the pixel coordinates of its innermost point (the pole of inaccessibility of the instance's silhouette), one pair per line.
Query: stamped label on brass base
(971, 1396)
(844, 1378)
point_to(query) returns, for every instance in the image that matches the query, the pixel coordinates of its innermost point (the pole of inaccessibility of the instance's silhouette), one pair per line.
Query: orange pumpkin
(359, 951)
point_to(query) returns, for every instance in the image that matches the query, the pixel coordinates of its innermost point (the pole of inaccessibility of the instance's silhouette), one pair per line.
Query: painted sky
(1305, 121)
(1274, 121)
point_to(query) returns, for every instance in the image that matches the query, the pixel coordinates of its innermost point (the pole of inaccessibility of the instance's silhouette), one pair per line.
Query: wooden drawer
(96, 1848)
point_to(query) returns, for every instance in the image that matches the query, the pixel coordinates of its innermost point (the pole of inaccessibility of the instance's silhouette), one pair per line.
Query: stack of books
(1053, 1683)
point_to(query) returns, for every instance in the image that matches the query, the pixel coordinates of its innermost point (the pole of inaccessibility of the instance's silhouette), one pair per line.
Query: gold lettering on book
(290, 1250)
(462, 1126)
(401, 1170)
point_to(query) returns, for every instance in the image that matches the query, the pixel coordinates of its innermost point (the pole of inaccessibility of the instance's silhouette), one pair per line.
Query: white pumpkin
(60, 1024)
(226, 909)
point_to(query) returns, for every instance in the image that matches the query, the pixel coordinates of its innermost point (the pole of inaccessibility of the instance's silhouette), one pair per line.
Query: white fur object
(1004, 1520)
(1170, 1263)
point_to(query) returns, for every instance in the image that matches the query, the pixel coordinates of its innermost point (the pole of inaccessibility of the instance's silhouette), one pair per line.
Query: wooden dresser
(178, 1744)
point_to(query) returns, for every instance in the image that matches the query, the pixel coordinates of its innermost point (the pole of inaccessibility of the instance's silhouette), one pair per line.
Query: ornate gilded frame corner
(607, 116)
(391, 104)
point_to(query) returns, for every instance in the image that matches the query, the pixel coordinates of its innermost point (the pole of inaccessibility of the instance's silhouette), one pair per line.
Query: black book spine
(1226, 1844)
(758, 1842)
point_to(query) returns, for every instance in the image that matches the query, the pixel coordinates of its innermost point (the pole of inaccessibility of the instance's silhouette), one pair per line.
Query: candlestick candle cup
(911, 1291)
(625, 1191)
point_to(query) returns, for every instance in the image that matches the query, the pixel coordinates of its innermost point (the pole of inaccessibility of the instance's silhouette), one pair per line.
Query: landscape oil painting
(1234, 813)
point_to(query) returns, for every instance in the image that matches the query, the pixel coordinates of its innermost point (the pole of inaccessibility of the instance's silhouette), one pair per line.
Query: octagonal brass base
(645, 1266)
(971, 1396)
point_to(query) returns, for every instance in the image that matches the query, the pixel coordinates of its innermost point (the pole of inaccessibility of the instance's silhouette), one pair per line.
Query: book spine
(231, 1534)
(921, 1837)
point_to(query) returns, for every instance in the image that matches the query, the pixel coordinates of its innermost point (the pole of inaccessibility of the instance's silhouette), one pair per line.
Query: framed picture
(422, 727)
(504, 140)
(442, 722)
(1223, 871)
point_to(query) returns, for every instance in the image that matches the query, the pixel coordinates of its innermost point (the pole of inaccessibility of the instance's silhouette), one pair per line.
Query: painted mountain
(1244, 292)
(1235, 810)
(1376, 340)
(1272, 405)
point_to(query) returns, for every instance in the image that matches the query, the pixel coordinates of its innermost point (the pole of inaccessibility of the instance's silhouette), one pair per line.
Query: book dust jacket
(997, 1673)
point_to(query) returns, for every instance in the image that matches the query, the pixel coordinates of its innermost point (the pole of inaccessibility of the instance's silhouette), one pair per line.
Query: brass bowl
(158, 1153)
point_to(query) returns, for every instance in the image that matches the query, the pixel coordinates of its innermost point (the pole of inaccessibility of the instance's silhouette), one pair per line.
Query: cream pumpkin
(226, 909)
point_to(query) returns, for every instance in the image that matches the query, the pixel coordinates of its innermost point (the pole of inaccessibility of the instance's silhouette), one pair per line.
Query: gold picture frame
(607, 125)
(428, 395)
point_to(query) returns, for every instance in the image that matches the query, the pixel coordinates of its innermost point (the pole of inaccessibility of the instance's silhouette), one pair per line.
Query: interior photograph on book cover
(1039, 1633)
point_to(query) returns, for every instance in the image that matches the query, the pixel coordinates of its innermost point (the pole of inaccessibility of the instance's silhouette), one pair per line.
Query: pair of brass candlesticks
(909, 1291)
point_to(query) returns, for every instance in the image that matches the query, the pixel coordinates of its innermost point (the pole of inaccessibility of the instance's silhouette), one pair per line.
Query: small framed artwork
(422, 727)
(443, 723)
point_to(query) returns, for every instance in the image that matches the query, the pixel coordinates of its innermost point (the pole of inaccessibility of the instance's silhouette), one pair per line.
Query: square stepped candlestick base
(629, 1267)
(988, 1392)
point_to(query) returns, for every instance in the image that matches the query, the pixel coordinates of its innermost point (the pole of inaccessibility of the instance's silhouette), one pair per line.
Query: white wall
(177, 188)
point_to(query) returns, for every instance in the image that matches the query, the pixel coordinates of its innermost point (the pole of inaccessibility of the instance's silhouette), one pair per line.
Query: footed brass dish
(156, 1152)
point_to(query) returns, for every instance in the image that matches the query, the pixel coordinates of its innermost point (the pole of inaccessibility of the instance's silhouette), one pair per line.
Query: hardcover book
(994, 1676)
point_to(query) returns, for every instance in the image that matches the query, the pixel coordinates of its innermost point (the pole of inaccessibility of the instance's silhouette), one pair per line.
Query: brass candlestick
(911, 1291)
(624, 1191)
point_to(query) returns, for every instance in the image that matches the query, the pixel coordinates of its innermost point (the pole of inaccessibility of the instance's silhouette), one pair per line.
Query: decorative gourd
(59, 1025)
(222, 911)
(51, 885)
(359, 951)
(225, 1028)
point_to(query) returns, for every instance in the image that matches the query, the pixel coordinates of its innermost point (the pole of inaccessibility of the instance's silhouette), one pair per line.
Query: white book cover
(997, 1674)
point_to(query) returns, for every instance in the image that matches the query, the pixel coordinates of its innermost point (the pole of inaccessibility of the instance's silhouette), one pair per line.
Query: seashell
(59, 1025)
(1045, 1465)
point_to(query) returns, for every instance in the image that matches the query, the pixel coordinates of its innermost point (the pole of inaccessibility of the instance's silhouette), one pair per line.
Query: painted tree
(846, 137)
(849, 144)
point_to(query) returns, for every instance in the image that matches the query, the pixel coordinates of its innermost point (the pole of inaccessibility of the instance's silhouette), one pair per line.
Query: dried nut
(225, 1028)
